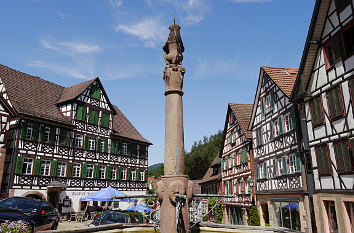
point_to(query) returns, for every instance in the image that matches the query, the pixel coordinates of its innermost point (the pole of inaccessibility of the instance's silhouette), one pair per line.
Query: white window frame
(292, 162)
(287, 122)
(102, 145)
(27, 166)
(91, 143)
(29, 132)
(114, 173)
(267, 102)
(61, 169)
(47, 132)
(78, 141)
(124, 148)
(102, 172)
(133, 174)
(276, 127)
(45, 167)
(89, 171)
(280, 166)
(76, 169)
(261, 171)
(142, 175)
(124, 174)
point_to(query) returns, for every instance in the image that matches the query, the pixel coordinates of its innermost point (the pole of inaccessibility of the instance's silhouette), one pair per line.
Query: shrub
(254, 217)
(15, 227)
(217, 209)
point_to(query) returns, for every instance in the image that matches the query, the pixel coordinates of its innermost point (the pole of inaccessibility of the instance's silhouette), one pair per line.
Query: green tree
(254, 217)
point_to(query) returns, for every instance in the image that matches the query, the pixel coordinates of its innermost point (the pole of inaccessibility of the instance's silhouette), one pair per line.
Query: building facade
(237, 164)
(324, 94)
(66, 143)
(281, 191)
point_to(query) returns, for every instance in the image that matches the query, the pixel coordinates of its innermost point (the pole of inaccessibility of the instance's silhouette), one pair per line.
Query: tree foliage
(255, 219)
(156, 170)
(202, 154)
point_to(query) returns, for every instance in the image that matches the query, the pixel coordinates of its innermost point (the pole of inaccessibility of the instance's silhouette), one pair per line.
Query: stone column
(174, 213)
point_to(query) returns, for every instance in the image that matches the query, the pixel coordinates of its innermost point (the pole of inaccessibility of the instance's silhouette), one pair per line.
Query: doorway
(53, 198)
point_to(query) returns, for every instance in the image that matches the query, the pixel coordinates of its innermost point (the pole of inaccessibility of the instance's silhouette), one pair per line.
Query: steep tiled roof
(31, 95)
(36, 97)
(208, 176)
(283, 77)
(243, 114)
(124, 128)
(72, 92)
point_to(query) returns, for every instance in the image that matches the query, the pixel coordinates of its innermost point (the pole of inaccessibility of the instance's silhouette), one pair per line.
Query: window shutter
(96, 172)
(52, 135)
(129, 145)
(272, 99)
(119, 149)
(280, 122)
(108, 172)
(338, 101)
(146, 174)
(249, 186)
(129, 174)
(93, 118)
(244, 152)
(262, 106)
(37, 167)
(99, 146)
(138, 174)
(119, 173)
(84, 170)
(105, 120)
(42, 133)
(265, 171)
(63, 137)
(23, 130)
(285, 164)
(298, 161)
(293, 119)
(242, 186)
(69, 171)
(35, 133)
(114, 148)
(257, 171)
(19, 165)
(86, 142)
(271, 129)
(275, 168)
(230, 187)
(54, 169)
(105, 144)
(344, 163)
(81, 113)
(95, 92)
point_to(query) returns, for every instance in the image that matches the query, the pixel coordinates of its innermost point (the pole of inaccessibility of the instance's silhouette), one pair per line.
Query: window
(124, 149)
(283, 165)
(332, 216)
(316, 111)
(102, 172)
(29, 132)
(332, 51)
(78, 141)
(93, 118)
(46, 134)
(268, 102)
(91, 142)
(343, 154)
(276, 128)
(259, 137)
(349, 206)
(61, 169)
(114, 173)
(45, 168)
(292, 166)
(335, 103)
(289, 120)
(124, 173)
(103, 145)
(323, 162)
(89, 171)
(133, 175)
(341, 4)
(142, 175)
(76, 169)
(348, 41)
(275, 168)
(27, 166)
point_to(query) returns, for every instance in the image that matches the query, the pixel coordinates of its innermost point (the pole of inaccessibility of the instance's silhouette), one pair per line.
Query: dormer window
(29, 132)
(95, 92)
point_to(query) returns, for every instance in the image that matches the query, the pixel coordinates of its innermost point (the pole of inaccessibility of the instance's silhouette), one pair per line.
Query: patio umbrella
(140, 208)
(105, 195)
(293, 206)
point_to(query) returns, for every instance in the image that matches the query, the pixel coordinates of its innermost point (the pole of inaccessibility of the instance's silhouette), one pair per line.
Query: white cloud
(116, 3)
(251, 1)
(68, 47)
(192, 11)
(152, 31)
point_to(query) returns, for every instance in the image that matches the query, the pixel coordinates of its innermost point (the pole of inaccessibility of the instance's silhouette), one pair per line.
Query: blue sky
(120, 41)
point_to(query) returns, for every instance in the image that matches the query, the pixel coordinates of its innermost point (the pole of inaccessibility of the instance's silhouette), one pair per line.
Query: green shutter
(242, 186)
(86, 142)
(262, 106)
(84, 170)
(257, 171)
(249, 186)
(285, 165)
(129, 145)
(275, 168)
(54, 169)
(272, 100)
(293, 119)
(93, 118)
(138, 174)
(52, 135)
(96, 171)
(19, 165)
(119, 173)
(37, 167)
(265, 171)
(99, 146)
(244, 153)
(23, 130)
(297, 162)
(271, 130)
(280, 123)
(81, 113)
(113, 146)
(35, 133)
(119, 149)
(129, 174)
(105, 120)
(95, 92)
(108, 172)
(69, 171)
(105, 144)
(146, 174)
(42, 133)
(62, 137)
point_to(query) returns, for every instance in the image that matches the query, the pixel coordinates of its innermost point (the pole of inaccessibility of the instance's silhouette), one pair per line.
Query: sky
(120, 41)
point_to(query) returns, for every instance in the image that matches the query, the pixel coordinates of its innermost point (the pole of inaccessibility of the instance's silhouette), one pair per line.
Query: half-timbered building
(237, 164)
(280, 185)
(324, 94)
(66, 143)
(211, 181)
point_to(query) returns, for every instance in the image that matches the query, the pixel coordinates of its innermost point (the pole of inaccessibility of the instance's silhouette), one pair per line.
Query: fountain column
(174, 213)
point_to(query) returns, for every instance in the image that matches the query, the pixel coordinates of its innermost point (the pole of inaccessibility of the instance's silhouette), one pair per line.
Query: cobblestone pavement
(65, 225)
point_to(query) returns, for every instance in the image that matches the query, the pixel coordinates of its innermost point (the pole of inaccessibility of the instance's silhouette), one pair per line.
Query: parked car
(40, 215)
(110, 217)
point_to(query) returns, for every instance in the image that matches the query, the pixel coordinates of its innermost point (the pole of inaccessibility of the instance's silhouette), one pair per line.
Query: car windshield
(112, 217)
(18, 204)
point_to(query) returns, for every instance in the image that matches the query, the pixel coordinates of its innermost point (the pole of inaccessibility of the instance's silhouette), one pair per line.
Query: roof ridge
(277, 67)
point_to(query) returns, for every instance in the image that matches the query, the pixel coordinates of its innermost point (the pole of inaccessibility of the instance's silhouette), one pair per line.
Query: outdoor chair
(80, 216)
(72, 216)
